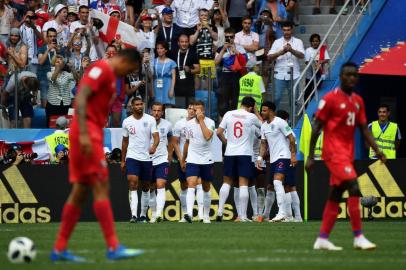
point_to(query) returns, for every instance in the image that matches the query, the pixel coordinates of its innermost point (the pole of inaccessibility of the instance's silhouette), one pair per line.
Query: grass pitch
(225, 245)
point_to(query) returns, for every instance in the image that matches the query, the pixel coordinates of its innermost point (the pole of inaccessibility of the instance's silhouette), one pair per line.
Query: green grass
(226, 245)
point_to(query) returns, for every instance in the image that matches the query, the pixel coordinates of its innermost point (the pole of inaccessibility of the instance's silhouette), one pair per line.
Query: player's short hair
(131, 54)
(269, 104)
(248, 102)
(136, 99)
(348, 64)
(282, 114)
(384, 106)
(190, 103)
(156, 103)
(199, 103)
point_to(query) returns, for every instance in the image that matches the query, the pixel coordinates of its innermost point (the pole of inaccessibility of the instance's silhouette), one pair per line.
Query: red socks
(329, 218)
(355, 215)
(70, 216)
(104, 214)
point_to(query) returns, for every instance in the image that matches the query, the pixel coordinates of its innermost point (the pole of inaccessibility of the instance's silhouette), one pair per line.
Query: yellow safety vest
(57, 138)
(250, 86)
(385, 140)
(318, 150)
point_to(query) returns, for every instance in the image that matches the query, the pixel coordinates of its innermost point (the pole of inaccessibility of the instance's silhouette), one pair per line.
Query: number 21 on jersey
(351, 119)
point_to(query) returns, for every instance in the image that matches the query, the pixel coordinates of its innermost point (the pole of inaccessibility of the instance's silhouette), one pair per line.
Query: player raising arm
(339, 113)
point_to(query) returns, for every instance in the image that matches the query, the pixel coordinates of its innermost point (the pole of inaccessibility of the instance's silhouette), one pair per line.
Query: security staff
(318, 149)
(58, 137)
(386, 134)
(252, 84)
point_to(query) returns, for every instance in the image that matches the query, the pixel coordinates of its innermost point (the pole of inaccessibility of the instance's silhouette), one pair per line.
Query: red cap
(146, 17)
(114, 8)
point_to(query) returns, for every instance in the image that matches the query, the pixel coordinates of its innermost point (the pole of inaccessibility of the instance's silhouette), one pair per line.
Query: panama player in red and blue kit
(339, 113)
(87, 165)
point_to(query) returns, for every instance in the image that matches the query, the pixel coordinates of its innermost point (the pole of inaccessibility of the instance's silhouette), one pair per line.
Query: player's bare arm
(262, 150)
(371, 141)
(207, 133)
(185, 150)
(317, 127)
(220, 134)
(155, 137)
(124, 146)
(175, 144)
(292, 147)
(171, 149)
(81, 106)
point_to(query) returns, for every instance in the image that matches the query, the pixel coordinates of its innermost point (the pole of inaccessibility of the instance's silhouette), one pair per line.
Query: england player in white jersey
(239, 150)
(282, 152)
(178, 141)
(160, 163)
(138, 129)
(199, 159)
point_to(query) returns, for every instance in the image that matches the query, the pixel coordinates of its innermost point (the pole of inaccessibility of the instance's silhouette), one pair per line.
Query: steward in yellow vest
(58, 137)
(252, 85)
(318, 149)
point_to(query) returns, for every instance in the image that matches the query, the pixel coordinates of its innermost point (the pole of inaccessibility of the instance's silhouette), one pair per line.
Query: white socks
(133, 202)
(206, 205)
(182, 198)
(296, 204)
(190, 201)
(199, 199)
(280, 196)
(224, 191)
(244, 195)
(288, 205)
(160, 201)
(269, 200)
(254, 200)
(237, 200)
(152, 203)
(144, 203)
(261, 200)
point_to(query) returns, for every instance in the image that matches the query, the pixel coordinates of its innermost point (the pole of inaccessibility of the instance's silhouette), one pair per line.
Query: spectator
(246, 38)
(30, 34)
(187, 67)
(27, 88)
(169, 32)
(136, 89)
(236, 10)
(6, 21)
(279, 15)
(286, 52)
(115, 12)
(146, 34)
(75, 54)
(229, 77)
(45, 54)
(164, 76)
(263, 26)
(72, 14)
(19, 7)
(16, 51)
(252, 85)
(42, 15)
(188, 13)
(61, 13)
(61, 83)
(320, 60)
(105, 6)
(86, 29)
(166, 4)
(61, 155)
(220, 20)
(316, 9)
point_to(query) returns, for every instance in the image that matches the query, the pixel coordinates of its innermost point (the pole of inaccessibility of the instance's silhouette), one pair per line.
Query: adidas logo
(173, 211)
(17, 202)
(379, 182)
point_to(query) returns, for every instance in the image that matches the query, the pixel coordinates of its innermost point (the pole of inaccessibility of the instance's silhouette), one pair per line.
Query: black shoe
(159, 219)
(333, 11)
(133, 219)
(219, 218)
(316, 11)
(142, 219)
(188, 219)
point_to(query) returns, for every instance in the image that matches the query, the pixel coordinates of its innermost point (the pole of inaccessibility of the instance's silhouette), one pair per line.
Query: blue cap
(59, 148)
(167, 10)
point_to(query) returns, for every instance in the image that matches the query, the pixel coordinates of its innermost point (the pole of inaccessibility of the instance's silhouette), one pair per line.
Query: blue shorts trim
(280, 166)
(290, 179)
(204, 171)
(142, 169)
(181, 174)
(160, 171)
(236, 166)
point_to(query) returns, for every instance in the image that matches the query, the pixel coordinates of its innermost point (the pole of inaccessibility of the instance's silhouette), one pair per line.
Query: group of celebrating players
(339, 113)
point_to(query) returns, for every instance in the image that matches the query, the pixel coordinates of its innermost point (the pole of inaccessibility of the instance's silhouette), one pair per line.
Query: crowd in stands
(47, 46)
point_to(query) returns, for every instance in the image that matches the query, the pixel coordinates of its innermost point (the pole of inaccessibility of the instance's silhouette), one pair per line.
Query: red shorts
(87, 169)
(340, 171)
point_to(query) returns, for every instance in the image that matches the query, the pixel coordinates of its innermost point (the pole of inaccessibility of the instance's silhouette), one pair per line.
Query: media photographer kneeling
(15, 156)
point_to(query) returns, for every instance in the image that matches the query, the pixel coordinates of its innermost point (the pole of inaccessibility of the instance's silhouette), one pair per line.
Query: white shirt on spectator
(188, 11)
(199, 151)
(244, 39)
(161, 154)
(284, 62)
(62, 30)
(28, 38)
(93, 53)
(310, 54)
(5, 21)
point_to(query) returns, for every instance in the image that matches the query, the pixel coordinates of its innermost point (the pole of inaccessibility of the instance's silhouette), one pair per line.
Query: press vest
(384, 139)
(57, 138)
(250, 86)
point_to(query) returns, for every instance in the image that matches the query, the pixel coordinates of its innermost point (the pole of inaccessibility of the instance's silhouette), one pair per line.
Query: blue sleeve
(282, 12)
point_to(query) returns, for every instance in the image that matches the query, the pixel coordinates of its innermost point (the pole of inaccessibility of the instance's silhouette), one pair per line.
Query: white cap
(58, 8)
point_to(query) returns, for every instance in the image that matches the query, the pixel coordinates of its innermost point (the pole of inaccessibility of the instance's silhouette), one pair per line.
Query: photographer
(61, 155)
(113, 157)
(28, 85)
(15, 156)
(30, 34)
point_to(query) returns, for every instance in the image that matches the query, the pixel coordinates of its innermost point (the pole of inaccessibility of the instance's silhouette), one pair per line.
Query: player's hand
(85, 144)
(258, 165)
(152, 150)
(309, 165)
(199, 115)
(380, 155)
(293, 160)
(182, 165)
(122, 165)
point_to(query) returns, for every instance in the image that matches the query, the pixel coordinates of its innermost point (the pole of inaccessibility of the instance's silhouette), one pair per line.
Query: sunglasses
(77, 43)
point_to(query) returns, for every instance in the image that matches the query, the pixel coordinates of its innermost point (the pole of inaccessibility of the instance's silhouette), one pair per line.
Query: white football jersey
(275, 133)
(139, 132)
(179, 130)
(199, 148)
(256, 137)
(165, 130)
(238, 124)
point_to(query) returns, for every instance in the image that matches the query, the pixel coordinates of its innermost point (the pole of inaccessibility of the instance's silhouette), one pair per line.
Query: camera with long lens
(11, 155)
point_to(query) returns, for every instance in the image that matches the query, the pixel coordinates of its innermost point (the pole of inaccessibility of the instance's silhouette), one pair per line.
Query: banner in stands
(384, 181)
